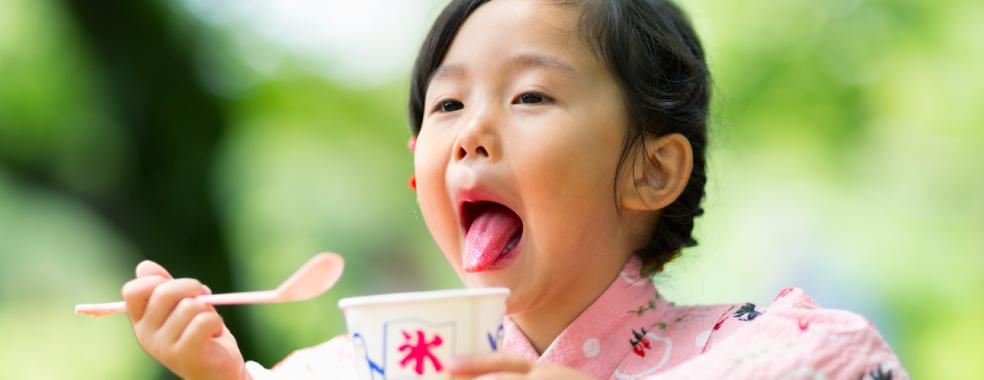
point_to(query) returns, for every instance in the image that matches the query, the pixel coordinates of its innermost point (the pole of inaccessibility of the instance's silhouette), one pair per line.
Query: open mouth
(492, 231)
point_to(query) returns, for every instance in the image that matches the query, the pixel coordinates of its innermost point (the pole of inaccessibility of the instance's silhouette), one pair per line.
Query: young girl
(559, 153)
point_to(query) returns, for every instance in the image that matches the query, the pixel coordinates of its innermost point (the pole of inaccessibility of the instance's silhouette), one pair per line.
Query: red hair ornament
(412, 145)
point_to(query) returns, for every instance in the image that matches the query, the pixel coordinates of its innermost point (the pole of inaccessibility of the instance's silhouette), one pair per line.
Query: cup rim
(391, 298)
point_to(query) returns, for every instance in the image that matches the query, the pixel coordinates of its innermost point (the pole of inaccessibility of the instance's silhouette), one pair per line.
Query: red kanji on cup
(420, 351)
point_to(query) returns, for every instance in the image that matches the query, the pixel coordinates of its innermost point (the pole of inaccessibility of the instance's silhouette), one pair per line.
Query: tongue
(488, 236)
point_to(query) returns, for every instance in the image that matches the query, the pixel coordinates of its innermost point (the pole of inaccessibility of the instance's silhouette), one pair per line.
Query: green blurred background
(230, 140)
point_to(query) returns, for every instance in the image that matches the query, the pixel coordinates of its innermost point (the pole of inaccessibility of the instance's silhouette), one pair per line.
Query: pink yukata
(630, 333)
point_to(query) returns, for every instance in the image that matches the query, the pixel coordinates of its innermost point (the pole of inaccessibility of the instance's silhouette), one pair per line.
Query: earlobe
(660, 170)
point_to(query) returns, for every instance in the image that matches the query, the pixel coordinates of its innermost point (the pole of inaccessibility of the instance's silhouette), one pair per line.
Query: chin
(511, 276)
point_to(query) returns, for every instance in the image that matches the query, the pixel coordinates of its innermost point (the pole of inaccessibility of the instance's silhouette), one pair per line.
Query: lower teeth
(512, 243)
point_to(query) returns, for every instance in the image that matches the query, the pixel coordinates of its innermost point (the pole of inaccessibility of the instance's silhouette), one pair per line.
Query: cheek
(569, 176)
(433, 196)
(574, 160)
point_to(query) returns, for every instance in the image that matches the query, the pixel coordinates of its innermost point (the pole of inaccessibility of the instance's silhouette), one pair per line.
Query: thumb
(481, 364)
(150, 268)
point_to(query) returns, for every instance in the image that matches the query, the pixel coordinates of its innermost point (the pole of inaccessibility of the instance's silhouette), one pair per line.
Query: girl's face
(522, 132)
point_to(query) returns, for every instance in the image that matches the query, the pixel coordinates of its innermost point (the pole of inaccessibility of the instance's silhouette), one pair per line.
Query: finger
(181, 316)
(479, 364)
(136, 294)
(227, 333)
(166, 297)
(203, 326)
(502, 376)
(554, 371)
(150, 268)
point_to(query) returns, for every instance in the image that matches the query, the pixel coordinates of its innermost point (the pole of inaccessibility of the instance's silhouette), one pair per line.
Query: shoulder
(793, 337)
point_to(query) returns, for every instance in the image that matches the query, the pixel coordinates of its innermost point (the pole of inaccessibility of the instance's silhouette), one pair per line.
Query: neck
(544, 324)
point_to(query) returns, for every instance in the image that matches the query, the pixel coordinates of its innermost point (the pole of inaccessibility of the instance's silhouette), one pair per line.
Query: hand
(510, 367)
(184, 334)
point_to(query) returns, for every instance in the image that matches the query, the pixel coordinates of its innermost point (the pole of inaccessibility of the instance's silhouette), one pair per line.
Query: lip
(475, 195)
(466, 195)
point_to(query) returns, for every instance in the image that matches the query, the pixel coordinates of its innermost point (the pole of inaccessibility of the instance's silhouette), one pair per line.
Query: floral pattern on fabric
(640, 344)
(642, 310)
(747, 312)
(877, 374)
(794, 338)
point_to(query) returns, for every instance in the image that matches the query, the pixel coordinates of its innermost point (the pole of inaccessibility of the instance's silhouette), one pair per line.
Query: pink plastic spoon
(316, 276)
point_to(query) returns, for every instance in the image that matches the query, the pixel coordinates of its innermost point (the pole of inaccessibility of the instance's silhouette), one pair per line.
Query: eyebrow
(454, 70)
(537, 60)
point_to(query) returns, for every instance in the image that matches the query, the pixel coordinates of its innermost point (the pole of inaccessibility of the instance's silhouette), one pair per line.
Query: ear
(660, 169)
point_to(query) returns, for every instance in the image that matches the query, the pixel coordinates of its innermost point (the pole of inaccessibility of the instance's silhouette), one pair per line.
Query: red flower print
(640, 343)
(721, 320)
(783, 293)
(638, 348)
(420, 351)
(803, 325)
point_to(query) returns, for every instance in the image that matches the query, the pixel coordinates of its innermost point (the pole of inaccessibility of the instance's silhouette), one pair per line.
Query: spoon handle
(100, 309)
(266, 296)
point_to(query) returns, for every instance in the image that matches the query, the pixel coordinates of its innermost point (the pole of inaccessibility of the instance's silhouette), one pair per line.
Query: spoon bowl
(312, 279)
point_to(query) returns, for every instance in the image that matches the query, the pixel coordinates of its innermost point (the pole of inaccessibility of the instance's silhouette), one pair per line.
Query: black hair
(655, 57)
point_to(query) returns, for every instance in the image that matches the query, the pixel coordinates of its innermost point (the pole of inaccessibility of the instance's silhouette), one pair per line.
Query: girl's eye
(451, 105)
(530, 98)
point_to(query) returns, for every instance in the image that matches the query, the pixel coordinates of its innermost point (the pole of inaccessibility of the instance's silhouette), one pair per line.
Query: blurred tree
(162, 202)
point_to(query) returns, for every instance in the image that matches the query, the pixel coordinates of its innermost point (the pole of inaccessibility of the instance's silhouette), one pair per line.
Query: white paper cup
(415, 335)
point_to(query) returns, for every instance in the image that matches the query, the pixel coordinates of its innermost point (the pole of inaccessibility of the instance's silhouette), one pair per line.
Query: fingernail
(457, 362)
(206, 289)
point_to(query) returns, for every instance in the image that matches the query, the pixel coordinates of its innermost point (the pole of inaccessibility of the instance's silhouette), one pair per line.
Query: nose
(479, 139)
